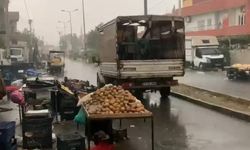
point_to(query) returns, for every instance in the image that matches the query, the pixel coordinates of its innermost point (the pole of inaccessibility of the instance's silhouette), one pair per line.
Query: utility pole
(30, 25)
(180, 9)
(31, 59)
(84, 25)
(70, 20)
(145, 7)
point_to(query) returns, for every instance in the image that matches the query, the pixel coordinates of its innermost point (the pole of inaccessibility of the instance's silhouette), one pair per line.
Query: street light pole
(64, 26)
(70, 20)
(71, 28)
(84, 26)
(145, 7)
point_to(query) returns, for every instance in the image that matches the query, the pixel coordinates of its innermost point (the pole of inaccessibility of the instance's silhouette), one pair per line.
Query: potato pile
(113, 100)
(243, 67)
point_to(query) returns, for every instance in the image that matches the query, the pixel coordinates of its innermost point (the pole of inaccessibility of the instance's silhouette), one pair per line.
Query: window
(201, 25)
(242, 17)
(198, 53)
(205, 41)
(209, 22)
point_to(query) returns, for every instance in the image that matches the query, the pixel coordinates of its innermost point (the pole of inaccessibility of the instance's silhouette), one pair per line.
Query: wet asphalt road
(217, 81)
(179, 125)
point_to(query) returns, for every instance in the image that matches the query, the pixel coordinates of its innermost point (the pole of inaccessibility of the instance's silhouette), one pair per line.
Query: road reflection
(169, 133)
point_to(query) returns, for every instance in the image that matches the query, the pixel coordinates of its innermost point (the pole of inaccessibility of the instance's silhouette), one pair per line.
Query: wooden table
(90, 117)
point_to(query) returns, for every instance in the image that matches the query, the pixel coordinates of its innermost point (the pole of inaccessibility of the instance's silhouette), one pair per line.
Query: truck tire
(201, 67)
(138, 93)
(165, 92)
(99, 83)
(230, 77)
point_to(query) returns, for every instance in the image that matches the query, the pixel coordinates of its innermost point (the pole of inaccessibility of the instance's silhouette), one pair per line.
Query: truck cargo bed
(144, 69)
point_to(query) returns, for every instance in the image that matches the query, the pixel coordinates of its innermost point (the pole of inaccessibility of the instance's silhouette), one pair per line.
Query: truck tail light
(127, 85)
(172, 82)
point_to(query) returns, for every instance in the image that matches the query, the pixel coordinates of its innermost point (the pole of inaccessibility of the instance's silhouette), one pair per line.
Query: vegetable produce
(242, 66)
(66, 89)
(113, 100)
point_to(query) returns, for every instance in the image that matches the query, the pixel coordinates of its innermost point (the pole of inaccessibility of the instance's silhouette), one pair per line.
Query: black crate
(66, 100)
(37, 133)
(68, 113)
(61, 100)
(7, 131)
(12, 145)
(71, 142)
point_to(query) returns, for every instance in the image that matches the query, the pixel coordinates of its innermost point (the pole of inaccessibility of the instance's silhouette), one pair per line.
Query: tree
(93, 39)
(66, 41)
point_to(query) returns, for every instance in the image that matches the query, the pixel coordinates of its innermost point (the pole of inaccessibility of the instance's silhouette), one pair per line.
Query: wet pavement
(80, 70)
(217, 81)
(178, 125)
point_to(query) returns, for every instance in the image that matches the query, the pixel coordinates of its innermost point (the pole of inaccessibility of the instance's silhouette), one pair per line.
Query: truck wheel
(99, 83)
(192, 65)
(138, 94)
(201, 67)
(230, 77)
(165, 92)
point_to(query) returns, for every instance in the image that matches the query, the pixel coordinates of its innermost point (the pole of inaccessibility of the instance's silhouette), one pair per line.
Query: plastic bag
(17, 97)
(80, 118)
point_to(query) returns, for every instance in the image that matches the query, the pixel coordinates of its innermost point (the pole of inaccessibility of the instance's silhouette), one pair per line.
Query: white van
(202, 52)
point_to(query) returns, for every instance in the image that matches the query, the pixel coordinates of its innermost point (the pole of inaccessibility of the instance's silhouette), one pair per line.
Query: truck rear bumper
(148, 84)
(144, 69)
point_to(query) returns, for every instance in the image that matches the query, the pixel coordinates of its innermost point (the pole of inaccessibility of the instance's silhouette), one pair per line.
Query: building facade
(221, 18)
(13, 18)
(3, 23)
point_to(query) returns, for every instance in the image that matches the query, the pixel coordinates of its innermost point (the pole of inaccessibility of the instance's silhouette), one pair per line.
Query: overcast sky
(47, 13)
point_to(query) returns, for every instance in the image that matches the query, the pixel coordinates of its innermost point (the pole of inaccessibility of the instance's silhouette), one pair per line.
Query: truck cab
(203, 52)
(17, 55)
(56, 63)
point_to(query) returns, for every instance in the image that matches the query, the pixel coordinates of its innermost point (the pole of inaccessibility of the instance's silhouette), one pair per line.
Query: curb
(217, 93)
(221, 109)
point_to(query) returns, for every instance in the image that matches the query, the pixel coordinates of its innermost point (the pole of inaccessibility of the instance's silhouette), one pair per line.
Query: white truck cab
(16, 54)
(19, 53)
(203, 52)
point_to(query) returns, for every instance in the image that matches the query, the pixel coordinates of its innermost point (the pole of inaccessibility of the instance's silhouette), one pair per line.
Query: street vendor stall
(238, 71)
(111, 103)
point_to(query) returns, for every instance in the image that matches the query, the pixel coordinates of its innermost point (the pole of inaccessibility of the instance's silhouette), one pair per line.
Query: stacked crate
(37, 132)
(7, 136)
(70, 141)
(67, 107)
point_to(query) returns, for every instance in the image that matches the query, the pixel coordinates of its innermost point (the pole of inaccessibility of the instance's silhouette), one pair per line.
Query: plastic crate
(12, 145)
(37, 133)
(7, 131)
(69, 113)
(71, 142)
